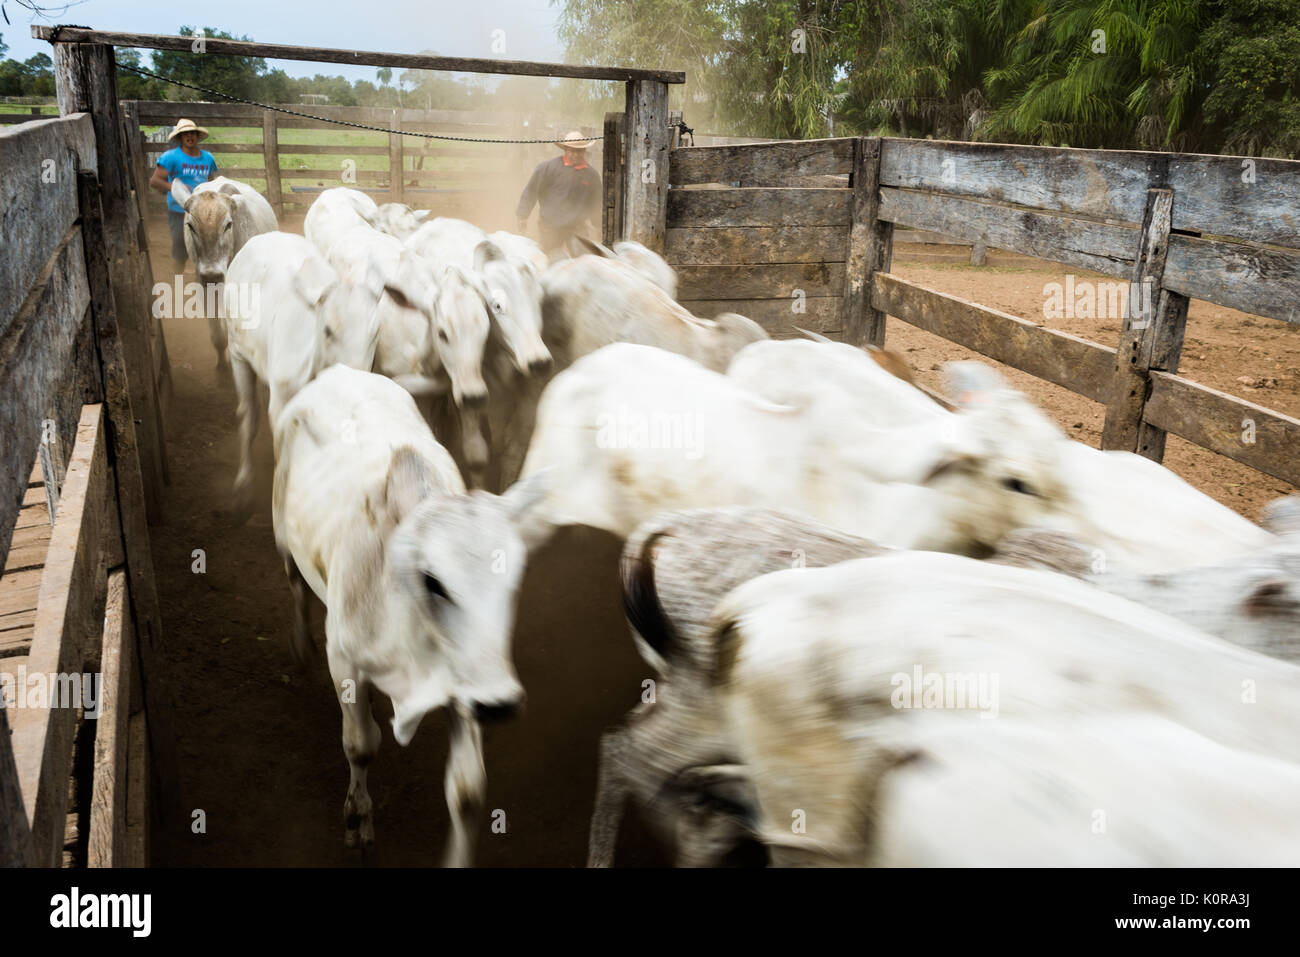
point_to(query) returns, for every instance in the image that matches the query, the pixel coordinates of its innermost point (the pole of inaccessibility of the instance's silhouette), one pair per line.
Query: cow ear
(315, 280)
(971, 383)
(1269, 597)
(229, 187)
(420, 215)
(487, 252)
(1282, 516)
(181, 193)
(527, 492)
(408, 482)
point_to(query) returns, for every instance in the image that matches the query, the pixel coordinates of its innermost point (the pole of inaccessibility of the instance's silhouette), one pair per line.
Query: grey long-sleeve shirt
(567, 194)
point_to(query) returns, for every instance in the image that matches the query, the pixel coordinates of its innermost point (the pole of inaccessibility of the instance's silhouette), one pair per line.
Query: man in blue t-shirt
(191, 166)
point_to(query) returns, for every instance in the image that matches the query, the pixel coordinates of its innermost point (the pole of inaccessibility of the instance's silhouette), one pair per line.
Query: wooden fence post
(396, 188)
(1152, 339)
(611, 161)
(271, 159)
(124, 449)
(645, 164)
(871, 246)
(86, 79)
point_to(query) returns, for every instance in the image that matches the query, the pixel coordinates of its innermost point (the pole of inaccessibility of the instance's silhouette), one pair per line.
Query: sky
(451, 27)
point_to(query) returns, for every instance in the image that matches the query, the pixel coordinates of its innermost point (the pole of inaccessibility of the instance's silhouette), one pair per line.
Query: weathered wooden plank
(107, 839)
(86, 80)
(646, 164)
(395, 167)
(1248, 198)
(40, 357)
(1263, 282)
(612, 180)
(38, 165)
(137, 791)
(777, 316)
(770, 281)
(1152, 337)
(1251, 434)
(759, 207)
(1069, 361)
(72, 588)
(164, 113)
(756, 244)
(1100, 247)
(409, 61)
(129, 489)
(871, 243)
(780, 163)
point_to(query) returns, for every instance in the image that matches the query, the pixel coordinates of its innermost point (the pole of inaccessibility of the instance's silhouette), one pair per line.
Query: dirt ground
(259, 741)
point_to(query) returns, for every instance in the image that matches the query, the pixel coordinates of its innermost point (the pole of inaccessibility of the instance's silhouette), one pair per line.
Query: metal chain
(325, 119)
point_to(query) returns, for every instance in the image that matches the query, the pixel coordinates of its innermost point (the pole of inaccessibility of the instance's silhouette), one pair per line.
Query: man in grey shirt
(567, 191)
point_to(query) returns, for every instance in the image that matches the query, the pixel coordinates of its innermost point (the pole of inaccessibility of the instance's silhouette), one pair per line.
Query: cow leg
(465, 783)
(611, 794)
(304, 650)
(217, 333)
(473, 446)
(361, 737)
(249, 411)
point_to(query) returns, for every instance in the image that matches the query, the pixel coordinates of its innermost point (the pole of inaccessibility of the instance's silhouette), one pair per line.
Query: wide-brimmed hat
(187, 126)
(573, 140)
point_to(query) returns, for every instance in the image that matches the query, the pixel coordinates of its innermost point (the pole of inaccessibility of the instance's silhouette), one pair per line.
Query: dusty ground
(259, 741)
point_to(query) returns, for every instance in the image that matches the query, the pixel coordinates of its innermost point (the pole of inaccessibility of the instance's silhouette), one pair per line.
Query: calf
(633, 430)
(397, 219)
(221, 216)
(336, 212)
(418, 577)
(856, 718)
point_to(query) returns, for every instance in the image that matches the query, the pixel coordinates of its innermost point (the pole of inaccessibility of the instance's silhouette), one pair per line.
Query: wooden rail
(480, 171)
(407, 61)
(800, 234)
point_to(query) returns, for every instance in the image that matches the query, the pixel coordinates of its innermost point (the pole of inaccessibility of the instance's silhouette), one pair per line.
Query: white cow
(220, 217)
(1141, 516)
(636, 257)
(287, 317)
(924, 709)
(419, 579)
(336, 212)
(633, 430)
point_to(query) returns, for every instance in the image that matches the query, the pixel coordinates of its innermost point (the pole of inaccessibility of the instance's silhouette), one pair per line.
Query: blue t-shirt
(192, 170)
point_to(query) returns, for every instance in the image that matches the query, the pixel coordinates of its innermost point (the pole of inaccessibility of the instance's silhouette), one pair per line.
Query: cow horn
(814, 336)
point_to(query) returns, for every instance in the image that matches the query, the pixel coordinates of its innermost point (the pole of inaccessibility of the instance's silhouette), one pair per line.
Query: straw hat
(573, 135)
(187, 126)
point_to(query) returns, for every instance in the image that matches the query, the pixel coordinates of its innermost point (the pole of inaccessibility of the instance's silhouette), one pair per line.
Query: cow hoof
(241, 508)
(359, 832)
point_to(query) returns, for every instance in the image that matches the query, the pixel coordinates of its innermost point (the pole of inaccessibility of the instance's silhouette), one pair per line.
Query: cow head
(460, 331)
(514, 295)
(456, 563)
(397, 219)
(997, 464)
(209, 226)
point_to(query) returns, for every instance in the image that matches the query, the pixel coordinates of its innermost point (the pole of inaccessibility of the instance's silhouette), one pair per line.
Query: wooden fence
(77, 593)
(430, 174)
(800, 233)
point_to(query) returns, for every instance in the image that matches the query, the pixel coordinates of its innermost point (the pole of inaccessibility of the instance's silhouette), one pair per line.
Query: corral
(789, 233)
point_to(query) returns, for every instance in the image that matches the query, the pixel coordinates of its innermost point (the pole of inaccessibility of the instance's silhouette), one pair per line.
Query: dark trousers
(176, 223)
(553, 238)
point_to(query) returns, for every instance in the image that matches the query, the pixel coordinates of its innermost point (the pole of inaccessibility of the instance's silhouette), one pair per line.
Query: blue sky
(451, 27)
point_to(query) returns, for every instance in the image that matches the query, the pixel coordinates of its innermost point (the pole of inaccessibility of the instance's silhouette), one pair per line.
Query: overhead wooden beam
(409, 61)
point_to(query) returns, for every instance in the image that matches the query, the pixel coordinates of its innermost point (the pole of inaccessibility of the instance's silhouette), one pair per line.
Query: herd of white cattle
(882, 632)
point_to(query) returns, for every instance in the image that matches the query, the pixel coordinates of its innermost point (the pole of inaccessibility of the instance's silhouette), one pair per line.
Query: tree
(236, 75)
(132, 86)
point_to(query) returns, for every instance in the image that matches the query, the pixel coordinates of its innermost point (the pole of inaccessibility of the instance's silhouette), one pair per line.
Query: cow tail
(641, 597)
